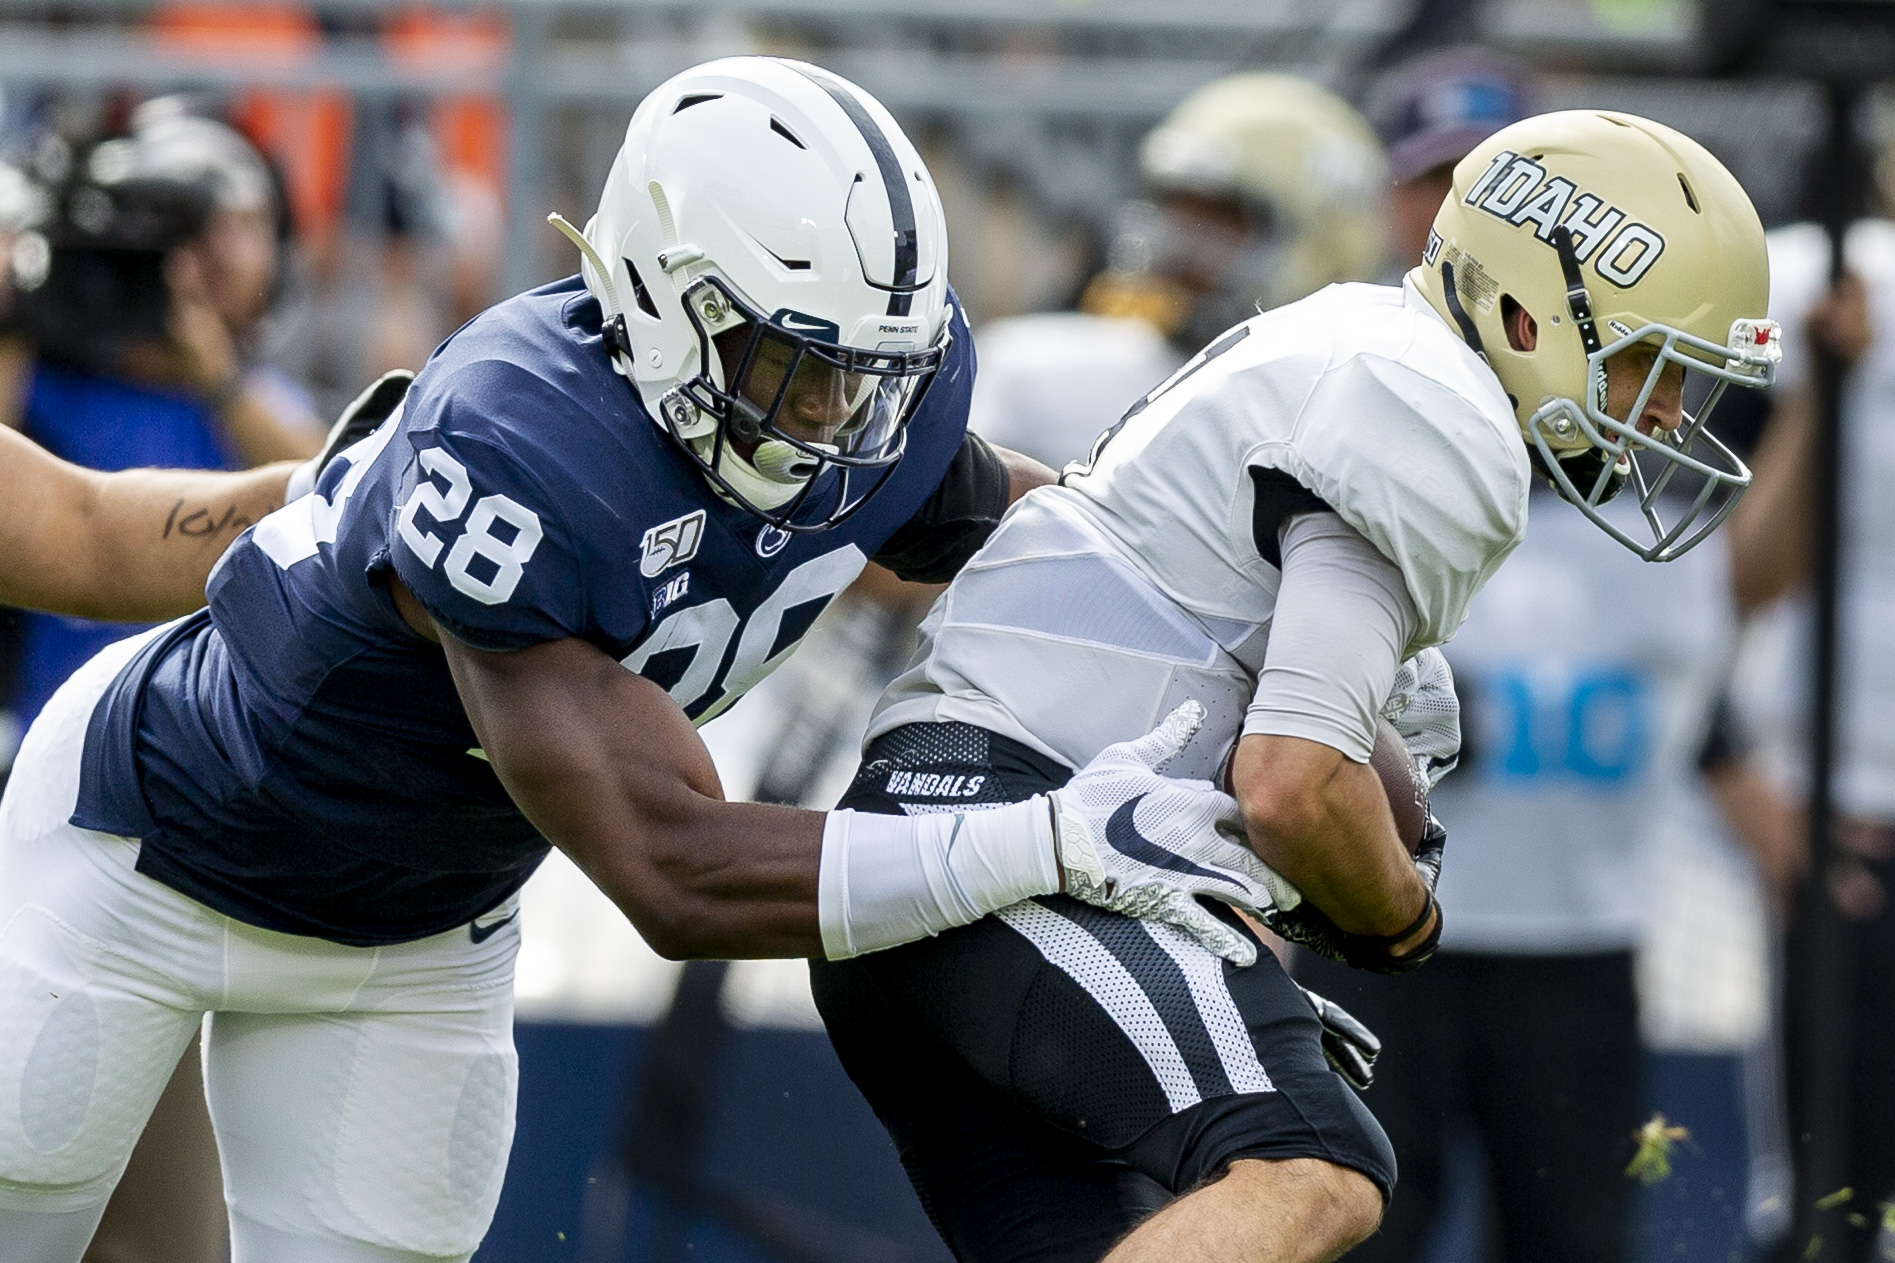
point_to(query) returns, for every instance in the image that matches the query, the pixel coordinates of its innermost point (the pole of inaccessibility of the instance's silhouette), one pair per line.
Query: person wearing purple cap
(1430, 112)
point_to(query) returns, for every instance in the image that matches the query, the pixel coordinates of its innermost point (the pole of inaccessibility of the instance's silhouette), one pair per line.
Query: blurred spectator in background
(144, 296)
(136, 285)
(1262, 188)
(1430, 112)
(1855, 319)
(398, 201)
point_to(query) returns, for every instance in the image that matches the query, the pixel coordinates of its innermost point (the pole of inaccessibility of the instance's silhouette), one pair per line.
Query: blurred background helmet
(1608, 230)
(1264, 189)
(768, 212)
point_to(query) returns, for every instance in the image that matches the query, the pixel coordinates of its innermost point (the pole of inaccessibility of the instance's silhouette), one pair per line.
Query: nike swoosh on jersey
(481, 933)
(1123, 836)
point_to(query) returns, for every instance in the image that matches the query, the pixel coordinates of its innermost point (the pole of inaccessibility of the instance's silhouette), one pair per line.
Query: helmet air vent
(776, 125)
(645, 304)
(1690, 199)
(696, 98)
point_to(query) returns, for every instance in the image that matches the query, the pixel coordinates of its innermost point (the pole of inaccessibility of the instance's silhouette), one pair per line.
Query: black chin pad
(1582, 467)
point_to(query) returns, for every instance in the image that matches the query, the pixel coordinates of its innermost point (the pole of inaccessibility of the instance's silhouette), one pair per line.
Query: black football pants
(1054, 1073)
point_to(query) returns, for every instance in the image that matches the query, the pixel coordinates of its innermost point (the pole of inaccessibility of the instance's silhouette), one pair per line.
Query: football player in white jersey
(1308, 504)
(1259, 189)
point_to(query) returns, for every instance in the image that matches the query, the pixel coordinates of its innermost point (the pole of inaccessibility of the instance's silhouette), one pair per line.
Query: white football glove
(1145, 845)
(1426, 711)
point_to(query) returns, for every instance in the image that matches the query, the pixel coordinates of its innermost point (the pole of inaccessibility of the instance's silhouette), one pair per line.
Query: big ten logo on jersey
(1589, 725)
(709, 654)
(1519, 191)
(670, 544)
(669, 593)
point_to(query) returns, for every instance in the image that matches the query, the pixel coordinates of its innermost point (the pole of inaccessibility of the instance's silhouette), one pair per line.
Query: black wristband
(1312, 928)
(1384, 963)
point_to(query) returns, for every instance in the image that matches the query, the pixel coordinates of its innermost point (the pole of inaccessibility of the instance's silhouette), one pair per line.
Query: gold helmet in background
(1303, 176)
(1610, 230)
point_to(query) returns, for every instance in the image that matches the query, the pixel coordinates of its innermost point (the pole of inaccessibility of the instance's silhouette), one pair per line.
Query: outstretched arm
(608, 768)
(604, 764)
(130, 546)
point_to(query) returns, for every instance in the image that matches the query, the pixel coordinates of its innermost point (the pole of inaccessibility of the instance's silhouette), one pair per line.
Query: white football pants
(362, 1097)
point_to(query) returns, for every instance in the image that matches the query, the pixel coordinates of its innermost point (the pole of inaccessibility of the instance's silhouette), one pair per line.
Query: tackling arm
(130, 546)
(608, 768)
(1023, 472)
(605, 765)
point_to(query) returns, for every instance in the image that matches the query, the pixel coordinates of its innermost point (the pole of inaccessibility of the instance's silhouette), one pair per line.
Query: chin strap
(1577, 300)
(1469, 333)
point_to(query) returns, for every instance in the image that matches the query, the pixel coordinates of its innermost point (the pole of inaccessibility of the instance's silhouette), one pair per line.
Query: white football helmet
(1610, 231)
(771, 257)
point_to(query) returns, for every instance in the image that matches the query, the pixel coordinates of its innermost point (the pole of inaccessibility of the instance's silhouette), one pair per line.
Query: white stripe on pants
(363, 1097)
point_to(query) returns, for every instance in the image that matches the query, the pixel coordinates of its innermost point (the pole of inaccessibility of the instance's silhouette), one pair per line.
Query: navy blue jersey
(297, 757)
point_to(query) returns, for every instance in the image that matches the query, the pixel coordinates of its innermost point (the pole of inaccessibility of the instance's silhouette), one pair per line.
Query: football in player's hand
(1407, 790)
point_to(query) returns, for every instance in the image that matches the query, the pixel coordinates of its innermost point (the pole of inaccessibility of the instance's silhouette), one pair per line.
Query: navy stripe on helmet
(901, 207)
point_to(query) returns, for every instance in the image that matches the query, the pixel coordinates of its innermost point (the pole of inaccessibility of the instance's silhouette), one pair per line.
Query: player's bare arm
(609, 769)
(1770, 528)
(133, 545)
(1322, 820)
(1023, 472)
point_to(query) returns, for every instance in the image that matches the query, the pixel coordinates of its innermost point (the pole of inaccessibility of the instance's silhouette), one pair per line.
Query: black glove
(1306, 925)
(365, 414)
(1349, 1047)
(360, 419)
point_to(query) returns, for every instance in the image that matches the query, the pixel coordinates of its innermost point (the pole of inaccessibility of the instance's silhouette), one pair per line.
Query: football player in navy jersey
(603, 511)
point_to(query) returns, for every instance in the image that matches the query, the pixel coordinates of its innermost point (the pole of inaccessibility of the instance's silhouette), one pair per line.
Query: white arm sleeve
(1343, 616)
(889, 880)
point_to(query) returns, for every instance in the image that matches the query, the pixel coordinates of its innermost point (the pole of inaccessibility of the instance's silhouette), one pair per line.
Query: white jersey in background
(1865, 695)
(1051, 383)
(1101, 604)
(1587, 678)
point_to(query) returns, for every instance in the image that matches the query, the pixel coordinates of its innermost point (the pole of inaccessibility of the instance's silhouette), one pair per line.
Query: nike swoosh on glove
(1144, 845)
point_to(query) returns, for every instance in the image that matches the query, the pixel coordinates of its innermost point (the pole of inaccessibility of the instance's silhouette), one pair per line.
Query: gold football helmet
(1610, 231)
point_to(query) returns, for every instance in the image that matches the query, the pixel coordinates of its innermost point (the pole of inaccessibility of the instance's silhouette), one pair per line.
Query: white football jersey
(1101, 604)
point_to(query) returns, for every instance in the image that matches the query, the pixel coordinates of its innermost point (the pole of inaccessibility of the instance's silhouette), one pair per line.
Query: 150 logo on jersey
(1519, 191)
(488, 560)
(670, 544)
